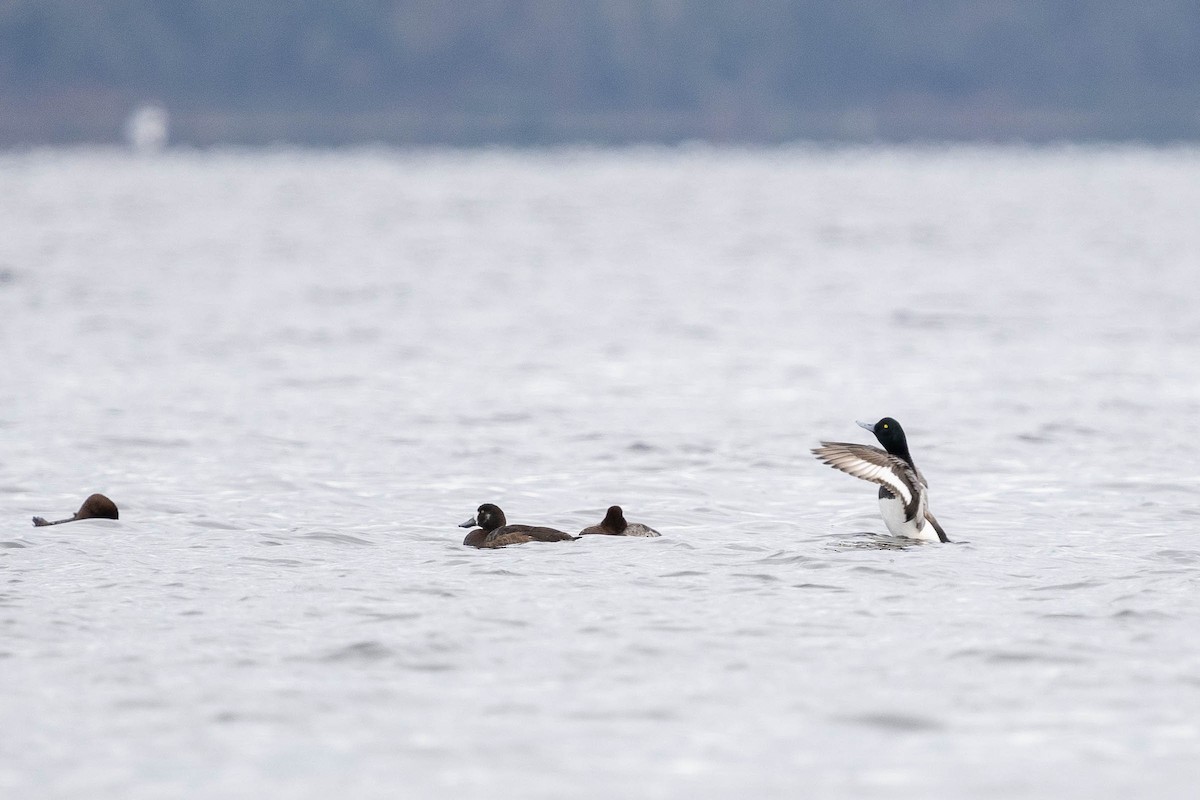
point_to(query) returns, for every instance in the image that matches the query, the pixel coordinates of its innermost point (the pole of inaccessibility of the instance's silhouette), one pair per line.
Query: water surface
(296, 372)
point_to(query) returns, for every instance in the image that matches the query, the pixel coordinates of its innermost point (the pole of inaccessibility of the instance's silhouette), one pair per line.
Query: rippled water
(296, 372)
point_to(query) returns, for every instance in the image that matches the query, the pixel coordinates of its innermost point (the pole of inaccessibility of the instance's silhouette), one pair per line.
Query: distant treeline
(532, 71)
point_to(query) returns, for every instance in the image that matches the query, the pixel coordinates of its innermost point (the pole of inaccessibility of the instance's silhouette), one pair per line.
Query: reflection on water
(337, 356)
(866, 540)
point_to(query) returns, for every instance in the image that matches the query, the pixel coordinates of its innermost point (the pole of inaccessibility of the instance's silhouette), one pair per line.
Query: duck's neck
(901, 450)
(615, 522)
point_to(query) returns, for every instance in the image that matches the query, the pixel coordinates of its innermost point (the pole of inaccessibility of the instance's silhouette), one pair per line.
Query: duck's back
(506, 539)
(614, 524)
(533, 534)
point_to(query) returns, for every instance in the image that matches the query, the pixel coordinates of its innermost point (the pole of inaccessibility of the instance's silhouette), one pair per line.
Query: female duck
(97, 506)
(614, 524)
(903, 490)
(494, 530)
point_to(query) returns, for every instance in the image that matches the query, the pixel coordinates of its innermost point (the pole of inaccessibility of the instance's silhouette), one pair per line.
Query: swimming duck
(95, 507)
(903, 492)
(614, 524)
(494, 530)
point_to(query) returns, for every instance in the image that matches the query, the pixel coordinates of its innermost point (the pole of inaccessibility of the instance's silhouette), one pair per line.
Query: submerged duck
(494, 530)
(614, 524)
(95, 507)
(903, 492)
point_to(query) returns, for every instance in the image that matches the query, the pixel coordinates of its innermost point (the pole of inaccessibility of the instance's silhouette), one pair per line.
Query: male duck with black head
(903, 490)
(614, 524)
(494, 530)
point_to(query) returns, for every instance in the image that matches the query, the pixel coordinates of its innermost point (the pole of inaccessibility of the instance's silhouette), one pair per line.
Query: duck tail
(941, 533)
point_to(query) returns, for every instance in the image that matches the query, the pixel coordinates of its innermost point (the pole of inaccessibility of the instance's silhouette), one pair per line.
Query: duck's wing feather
(871, 464)
(550, 535)
(941, 533)
(532, 534)
(505, 539)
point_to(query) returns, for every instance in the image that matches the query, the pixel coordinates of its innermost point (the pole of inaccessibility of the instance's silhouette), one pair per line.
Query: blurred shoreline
(421, 72)
(101, 119)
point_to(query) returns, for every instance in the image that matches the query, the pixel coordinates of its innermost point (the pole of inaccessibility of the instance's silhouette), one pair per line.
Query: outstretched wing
(870, 464)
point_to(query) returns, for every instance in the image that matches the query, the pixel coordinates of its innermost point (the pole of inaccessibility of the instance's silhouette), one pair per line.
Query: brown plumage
(97, 506)
(479, 538)
(614, 524)
(493, 530)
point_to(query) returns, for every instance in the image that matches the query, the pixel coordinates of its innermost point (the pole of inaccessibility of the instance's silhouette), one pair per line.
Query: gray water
(296, 372)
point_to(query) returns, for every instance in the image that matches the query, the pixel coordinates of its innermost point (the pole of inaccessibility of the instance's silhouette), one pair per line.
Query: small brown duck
(95, 507)
(614, 524)
(494, 530)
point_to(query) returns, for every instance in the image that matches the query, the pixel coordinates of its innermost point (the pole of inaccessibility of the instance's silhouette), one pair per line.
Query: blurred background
(528, 72)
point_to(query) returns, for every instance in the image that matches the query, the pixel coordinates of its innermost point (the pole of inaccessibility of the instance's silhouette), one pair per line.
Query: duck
(97, 506)
(903, 490)
(494, 531)
(614, 524)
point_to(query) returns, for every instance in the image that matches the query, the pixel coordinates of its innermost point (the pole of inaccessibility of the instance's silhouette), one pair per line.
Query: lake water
(296, 372)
